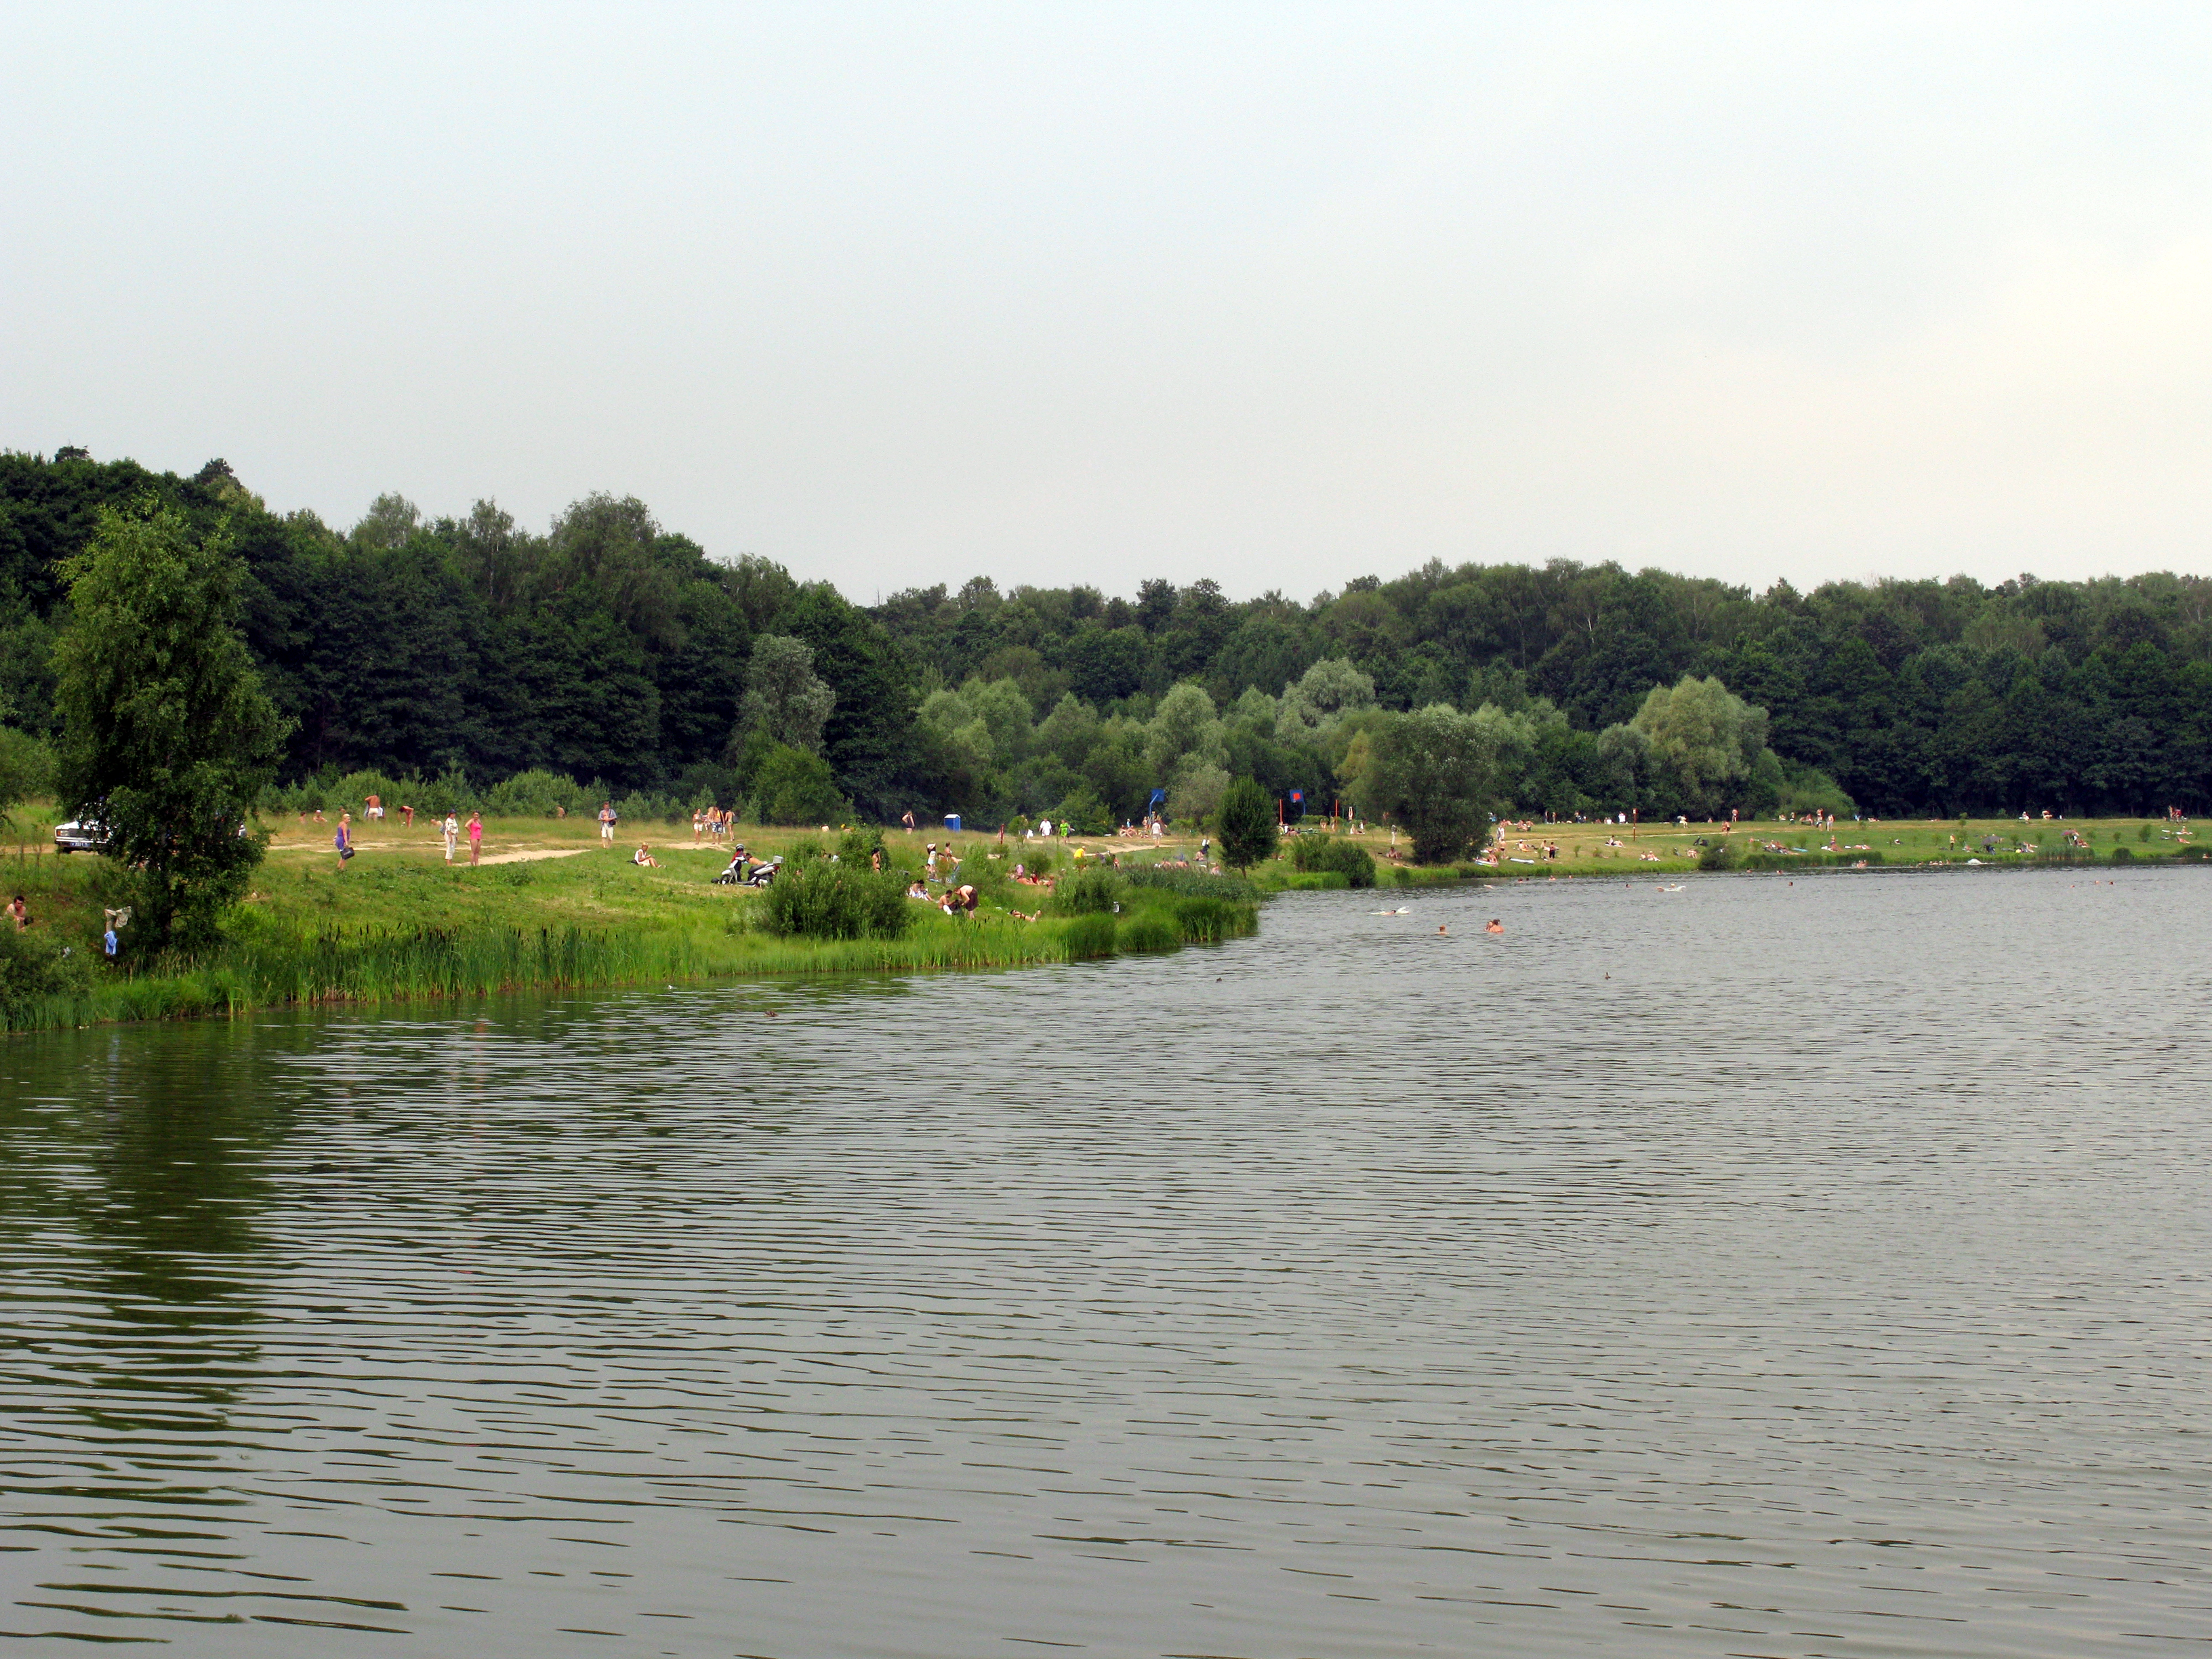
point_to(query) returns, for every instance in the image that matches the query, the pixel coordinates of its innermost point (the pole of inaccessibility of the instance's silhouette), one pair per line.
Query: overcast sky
(1273, 293)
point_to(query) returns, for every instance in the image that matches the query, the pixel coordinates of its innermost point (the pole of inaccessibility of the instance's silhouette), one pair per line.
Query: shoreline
(397, 924)
(538, 912)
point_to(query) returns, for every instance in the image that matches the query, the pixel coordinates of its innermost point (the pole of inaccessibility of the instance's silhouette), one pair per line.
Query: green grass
(401, 926)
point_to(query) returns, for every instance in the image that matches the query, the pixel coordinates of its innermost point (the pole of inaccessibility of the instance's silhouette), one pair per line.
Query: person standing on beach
(476, 837)
(607, 822)
(343, 839)
(452, 831)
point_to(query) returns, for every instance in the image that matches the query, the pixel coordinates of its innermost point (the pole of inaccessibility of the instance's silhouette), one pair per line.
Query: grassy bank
(1616, 850)
(554, 910)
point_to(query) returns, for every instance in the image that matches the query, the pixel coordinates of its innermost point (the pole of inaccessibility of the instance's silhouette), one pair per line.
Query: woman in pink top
(476, 837)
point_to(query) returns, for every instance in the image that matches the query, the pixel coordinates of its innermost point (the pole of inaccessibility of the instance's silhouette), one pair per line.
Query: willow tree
(168, 736)
(1437, 770)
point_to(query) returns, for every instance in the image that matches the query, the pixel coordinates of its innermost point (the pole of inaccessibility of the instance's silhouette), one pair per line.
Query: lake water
(1759, 1268)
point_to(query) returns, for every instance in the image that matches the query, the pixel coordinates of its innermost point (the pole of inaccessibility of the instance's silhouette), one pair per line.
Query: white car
(79, 835)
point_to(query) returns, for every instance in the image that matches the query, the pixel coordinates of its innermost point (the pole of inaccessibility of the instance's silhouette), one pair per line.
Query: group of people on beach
(452, 831)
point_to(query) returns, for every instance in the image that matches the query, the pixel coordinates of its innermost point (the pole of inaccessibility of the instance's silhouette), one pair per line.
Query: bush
(1720, 852)
(450, 792)
(815, 899)
(2195, 855)
(2124, 855)
(1087, 892)
(33, 965)
(1405, 876)
(790, 785)
(1088, 937)
(534, 794)
(350, 793)
(1085, 810)
(858, 845)
(1334, 853)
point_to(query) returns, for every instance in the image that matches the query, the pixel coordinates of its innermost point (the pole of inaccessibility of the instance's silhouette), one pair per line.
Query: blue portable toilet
(952, 822)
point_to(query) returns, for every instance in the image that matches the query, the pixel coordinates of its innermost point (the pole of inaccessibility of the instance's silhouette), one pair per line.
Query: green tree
(1245, 823)
(1435, 768)
(1704, 741)
(869, 739)
(25, 766)
(793, 786)
(784, 696)
(167, 734)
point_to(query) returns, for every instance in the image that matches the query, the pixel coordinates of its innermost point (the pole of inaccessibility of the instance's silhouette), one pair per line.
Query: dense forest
(623, 656)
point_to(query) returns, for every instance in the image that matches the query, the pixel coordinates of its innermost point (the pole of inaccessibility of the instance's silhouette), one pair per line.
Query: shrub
(33, 965)
(2124, 855)
(534, 793)
(1087, 892)
(636, 809)
(790, 786)
(2195, 855)
(815, 899)
(860, 844)
(1088, 937)
(1334, 853)
(1083, 809)
(1405, 876)
(352, 791)
(1720, 853)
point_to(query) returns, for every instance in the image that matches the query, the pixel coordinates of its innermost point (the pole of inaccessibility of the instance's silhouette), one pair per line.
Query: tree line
(620, 655)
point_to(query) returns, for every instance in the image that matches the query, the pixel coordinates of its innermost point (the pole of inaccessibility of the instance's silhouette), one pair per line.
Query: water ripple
(1765, 1268)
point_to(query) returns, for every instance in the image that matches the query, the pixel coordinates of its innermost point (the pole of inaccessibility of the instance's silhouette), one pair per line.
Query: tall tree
(1436, 769)
(167, 734)
(784, 696)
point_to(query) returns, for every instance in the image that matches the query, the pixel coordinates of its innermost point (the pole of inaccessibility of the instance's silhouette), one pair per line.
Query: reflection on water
(1761, 1268)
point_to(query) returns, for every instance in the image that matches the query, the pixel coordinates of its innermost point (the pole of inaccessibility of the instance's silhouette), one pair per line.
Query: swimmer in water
(1440, 928)
(1494, 926)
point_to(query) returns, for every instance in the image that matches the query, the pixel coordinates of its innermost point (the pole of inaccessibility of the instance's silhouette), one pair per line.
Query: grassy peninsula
(550, 906)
